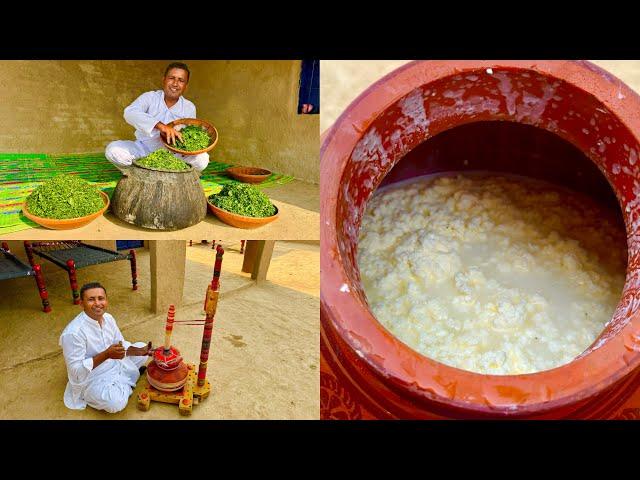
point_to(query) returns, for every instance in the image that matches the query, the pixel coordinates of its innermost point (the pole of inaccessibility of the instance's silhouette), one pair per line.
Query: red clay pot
(167, 372)
(565, 121)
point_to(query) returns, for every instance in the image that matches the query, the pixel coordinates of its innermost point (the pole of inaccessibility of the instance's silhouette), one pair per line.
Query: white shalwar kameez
(144, 113)
(109, 385)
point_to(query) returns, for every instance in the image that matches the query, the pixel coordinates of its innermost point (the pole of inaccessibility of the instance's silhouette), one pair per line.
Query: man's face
(94, 302)
(175, 83)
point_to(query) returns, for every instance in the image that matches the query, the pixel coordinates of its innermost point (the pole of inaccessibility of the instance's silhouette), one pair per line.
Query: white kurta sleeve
(119, 337)
(137, 116)
(74, 350)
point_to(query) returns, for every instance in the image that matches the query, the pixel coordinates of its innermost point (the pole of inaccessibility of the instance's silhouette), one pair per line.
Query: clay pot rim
(355, 323)
(186, 170)
(67, 223)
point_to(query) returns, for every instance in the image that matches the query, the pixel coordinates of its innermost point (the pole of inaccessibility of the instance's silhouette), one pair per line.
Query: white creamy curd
(492, 274)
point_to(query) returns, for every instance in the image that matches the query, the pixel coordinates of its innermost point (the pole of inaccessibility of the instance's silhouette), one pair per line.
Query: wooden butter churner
(169, 379)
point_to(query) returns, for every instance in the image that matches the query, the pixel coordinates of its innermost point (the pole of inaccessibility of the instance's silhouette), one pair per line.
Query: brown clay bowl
(66, 223)
(241, 221)
(211, 130)
(249, 174)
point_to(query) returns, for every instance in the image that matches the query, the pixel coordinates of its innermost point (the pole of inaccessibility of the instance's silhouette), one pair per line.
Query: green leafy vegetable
(65, 196)
(162, 158)
(243, 199)
(193, 138)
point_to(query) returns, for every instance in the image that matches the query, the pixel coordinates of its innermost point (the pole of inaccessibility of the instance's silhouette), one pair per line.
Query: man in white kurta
(102, 366)
(150, 113)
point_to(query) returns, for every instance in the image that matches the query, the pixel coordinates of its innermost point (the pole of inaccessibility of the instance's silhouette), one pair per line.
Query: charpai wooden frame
(51, 251)
(18, 269)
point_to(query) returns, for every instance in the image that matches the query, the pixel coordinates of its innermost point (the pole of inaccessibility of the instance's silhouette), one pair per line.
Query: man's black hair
(89, 286)
(181, 66)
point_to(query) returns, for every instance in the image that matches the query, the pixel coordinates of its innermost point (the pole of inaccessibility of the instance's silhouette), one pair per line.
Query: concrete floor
(341, 81)
(264, 355)
(298, 203)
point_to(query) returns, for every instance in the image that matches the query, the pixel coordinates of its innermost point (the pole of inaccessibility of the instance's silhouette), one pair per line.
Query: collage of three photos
(320, 239)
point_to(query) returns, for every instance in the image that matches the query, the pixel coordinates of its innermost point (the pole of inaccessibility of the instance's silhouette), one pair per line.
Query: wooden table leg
(134, 271)
(42, 289)
(29, 249)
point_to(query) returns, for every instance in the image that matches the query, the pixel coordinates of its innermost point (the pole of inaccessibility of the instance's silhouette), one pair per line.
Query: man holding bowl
(150, 113)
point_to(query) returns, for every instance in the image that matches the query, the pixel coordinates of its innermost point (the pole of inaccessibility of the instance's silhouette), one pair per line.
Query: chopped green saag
(65, 196)
(162, 158)
(193, 138)
(243, 199)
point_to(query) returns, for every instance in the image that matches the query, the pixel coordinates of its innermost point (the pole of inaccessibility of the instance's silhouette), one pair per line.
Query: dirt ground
(264, 356)
(341, 81)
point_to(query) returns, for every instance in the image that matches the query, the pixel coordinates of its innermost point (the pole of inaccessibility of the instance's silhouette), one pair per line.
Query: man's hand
(115, 351)
(307, 108)
(140, 351)
(169, 133)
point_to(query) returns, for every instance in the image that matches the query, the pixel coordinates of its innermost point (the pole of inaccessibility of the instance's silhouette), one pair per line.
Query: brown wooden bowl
(211, 130)
(66, 223)
(249, 174)
(241, 221)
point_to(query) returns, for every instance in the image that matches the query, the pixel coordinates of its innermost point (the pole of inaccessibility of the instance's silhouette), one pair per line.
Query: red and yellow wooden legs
(242, 246)
(204, 351)
(144, 400)
(42, 289)
(185, 407)
(171, 315)
(211, 305)
(29, 249)
(215, 281)
(185, 398)
(71, 268)
(134, 271)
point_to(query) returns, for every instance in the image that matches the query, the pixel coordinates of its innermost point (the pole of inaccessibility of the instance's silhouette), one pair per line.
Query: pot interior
(512, 120)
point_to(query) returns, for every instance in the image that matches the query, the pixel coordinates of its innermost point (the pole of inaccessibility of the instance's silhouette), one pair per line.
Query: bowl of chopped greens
(65, 202)
(163, 161)
(198, 136)
(243, 206)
